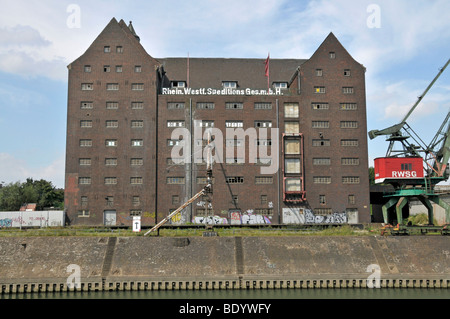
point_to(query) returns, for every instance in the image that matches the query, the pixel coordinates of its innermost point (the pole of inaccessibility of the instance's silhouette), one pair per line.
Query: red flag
(267, 65)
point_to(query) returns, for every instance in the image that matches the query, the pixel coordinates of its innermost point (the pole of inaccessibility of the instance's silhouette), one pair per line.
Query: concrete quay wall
(39, 264)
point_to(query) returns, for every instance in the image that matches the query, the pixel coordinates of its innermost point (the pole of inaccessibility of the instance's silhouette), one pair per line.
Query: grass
(344, 230)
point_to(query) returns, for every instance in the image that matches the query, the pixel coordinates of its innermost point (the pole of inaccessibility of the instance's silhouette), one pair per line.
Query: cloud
(21, 36)
(13, 169)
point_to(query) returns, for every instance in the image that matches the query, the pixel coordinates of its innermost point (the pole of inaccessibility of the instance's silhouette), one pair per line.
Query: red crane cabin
(396, 168)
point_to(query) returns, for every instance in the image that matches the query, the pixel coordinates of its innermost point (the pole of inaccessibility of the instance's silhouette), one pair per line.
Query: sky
(402, 44)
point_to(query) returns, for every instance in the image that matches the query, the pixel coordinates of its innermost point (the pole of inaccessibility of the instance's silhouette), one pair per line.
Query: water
(258, 294)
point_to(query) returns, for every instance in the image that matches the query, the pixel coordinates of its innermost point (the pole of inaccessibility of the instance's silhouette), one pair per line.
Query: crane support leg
(385, 208)
(429, 207)
(399, 208)
(438, 200)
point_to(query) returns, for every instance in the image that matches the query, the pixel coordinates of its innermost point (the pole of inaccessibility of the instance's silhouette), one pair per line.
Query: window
(320, 124)
(263, 142)
(347, 72)
(86, 123)
(136, 201)
(175, 199)
(84, 201)
(106, 68)
(319, 89)
(84, 180)
(292, 147)
(175, 142)
(234, 105)
(235, 199)
(111, 143)
(110, 180)
(87, 86)
(111, 161)
(322, 180)
(320, 106)
(323, 211)
(175, 105)
(263, 106)
(205, 105)
(235, 180)
(263, 123)
(87, 69)
(112, 124)
(118, 69)
(291, 110)
(137, 105)
(350, 180)
(85, 143)
(322, 161)
(175, 180)
(234, 124)
(263, 180)
(351, 199)
(347, 90)
(136, 180)
(292, 166)
(350, 143)
(119, 49)
(320, 142)
(200, 123)
(263, 199)
(112, 86)
(85, 161)
(112, 105)
(406, 166)
(202, 180)
(178, 84)
(291, 127)
(137, 86)
(349, 161)
(135, 212)
(293, 184)
(137, 162)
(175, 123)
(87, 105)
(234, 142)
(280, 85)
(322, 199)
(137, 143)
(234, 160)
(137, 124)
(83, 213)
(332, 55)
(229, 84)
(349, 124)
(348, 106)
(319, 72)
(107, 49)
(137, 68)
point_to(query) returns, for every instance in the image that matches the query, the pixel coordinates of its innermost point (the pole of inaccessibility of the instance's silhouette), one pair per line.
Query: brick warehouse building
(123, 106)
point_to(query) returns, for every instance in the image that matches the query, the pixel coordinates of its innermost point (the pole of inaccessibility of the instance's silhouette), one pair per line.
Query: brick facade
(121, 119)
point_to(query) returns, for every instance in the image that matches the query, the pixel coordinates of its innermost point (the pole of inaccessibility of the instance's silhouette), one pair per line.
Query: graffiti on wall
(298, 215)
(31, 219)
(235, 218)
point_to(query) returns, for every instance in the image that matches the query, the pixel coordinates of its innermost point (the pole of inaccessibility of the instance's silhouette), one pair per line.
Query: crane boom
(179, 209)
(395, 129)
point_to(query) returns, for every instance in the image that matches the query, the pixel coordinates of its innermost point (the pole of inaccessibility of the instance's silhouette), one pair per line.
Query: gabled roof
(211, 72)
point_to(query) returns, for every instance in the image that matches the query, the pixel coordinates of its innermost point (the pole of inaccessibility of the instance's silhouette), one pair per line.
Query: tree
(41, 192)
(371, 176)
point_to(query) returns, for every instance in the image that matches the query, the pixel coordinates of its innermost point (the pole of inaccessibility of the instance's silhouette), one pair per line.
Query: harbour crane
(205, 190)
(415, 168)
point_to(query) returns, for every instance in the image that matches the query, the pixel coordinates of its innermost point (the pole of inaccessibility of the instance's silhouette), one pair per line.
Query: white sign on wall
(136, 223)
